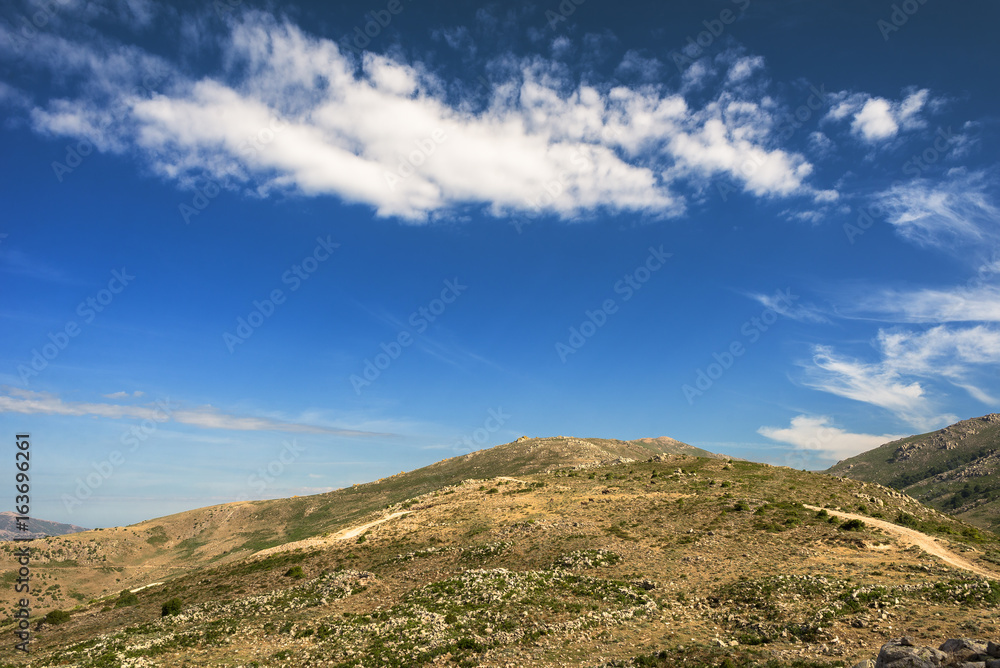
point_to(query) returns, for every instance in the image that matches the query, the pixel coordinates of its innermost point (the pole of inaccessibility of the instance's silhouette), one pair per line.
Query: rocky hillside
(670, 560)
(37, 528)
(954, 469)
(106, 560)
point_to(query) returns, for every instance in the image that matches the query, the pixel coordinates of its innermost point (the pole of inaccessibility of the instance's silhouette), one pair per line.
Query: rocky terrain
(954, 469)
(544, 552)
(906, 653)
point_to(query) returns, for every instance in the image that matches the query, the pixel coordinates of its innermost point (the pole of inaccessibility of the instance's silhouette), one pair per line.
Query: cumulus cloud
(816, 434)
(289, 111)
(28, 402)
(875, 119)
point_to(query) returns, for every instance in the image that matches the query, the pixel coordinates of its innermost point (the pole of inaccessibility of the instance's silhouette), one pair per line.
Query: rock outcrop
(960, 652)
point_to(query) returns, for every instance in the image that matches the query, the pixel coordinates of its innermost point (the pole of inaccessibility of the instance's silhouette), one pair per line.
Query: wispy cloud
(123, 395)
(382, 132)
(815, 433)
(16, 400)
(975, 303)
(950, 214)
(789, 309)
(966, 358)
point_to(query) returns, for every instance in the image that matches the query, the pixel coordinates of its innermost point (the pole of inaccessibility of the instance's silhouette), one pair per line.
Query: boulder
(895, 654)
(963, 649)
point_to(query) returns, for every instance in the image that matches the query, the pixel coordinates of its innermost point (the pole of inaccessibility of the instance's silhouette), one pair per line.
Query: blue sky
(254, 250)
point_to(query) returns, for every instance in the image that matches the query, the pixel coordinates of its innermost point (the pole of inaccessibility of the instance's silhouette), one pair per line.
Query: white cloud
(15, 400)
(815, 433)
(875, 119)
(744, 67)
(123, 395)
(950, 214)
(291, 112)
(788, 308)
(909, 364)
(972, 303)
(874, 384)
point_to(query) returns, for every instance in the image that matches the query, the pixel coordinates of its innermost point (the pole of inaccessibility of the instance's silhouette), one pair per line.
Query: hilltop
(954, 469)
(509, 557)
(38, 528)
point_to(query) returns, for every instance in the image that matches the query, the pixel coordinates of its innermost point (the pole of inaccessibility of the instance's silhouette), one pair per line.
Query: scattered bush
(295, 572)
(125, 599)
(56, 617)
(171, 607)
(852, 525)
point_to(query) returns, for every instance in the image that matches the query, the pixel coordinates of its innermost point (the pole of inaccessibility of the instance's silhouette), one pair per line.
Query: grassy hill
(543, 552)
(954, 469)
(96, 563)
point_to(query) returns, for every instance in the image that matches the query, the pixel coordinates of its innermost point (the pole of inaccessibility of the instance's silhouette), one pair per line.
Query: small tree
(852, 525)
(125, 599)
(171, 607)
(56, 617)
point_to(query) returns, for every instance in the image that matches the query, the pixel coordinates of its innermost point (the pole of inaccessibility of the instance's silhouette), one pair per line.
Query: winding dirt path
(320, 541)
(921, 540)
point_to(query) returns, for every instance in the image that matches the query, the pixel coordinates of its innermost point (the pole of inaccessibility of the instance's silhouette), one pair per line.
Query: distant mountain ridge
(953, 469)
(38, 528)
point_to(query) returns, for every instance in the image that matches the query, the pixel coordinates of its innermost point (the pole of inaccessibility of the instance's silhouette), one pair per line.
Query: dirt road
(921, 540)
(320, 541)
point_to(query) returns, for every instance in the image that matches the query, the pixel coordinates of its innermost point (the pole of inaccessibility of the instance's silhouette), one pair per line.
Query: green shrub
(852, 525)
(171, 607)
(56, 617)
(125, 599)
(295, 572)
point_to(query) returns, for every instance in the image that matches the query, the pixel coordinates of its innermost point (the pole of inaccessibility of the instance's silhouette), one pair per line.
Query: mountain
(954, 469)
(543, 552)
(38, 528)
